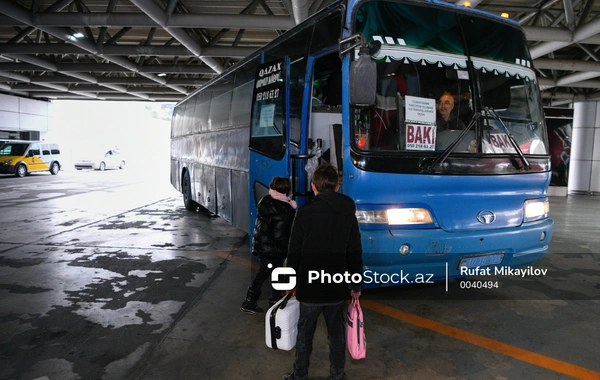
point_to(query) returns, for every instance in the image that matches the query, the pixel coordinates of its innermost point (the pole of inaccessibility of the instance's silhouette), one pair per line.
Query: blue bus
(431, 112)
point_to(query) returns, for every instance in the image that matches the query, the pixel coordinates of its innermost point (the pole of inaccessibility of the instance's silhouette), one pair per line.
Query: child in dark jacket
(271, 237)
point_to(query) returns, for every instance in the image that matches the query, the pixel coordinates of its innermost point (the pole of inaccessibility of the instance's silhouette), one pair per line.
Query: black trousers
(307, 324)
(264, 273)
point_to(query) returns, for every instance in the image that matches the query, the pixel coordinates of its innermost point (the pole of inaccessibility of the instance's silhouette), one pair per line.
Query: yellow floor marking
(490, 344)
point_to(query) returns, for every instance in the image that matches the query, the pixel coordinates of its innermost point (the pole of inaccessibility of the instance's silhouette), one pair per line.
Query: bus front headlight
(395, 216)
(409, 216)
(371, 216)
(536, 209)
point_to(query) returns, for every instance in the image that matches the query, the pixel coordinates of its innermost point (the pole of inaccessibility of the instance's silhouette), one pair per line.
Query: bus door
(269, 132)
(322, 114)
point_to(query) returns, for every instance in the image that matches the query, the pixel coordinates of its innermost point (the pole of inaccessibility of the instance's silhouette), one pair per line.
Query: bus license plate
(481, 261)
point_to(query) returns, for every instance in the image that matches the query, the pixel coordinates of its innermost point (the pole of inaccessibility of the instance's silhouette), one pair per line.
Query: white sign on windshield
(421, 110)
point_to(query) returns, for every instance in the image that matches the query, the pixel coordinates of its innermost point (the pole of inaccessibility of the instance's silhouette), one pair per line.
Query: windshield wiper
(510, 136)
(442, 157)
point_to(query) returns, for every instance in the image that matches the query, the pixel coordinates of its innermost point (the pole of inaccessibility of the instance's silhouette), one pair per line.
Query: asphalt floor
(105, 275)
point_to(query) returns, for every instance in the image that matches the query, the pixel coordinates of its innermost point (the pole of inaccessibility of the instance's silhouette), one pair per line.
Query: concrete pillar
(584, 166)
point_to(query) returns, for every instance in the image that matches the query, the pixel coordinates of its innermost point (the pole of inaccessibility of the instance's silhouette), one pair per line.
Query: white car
(112, 159)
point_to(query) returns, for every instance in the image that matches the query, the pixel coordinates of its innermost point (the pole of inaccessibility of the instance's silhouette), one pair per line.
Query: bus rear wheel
(186, 189)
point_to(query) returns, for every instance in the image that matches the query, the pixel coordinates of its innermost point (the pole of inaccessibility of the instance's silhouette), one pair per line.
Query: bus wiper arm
(442, 157)
(510, 136)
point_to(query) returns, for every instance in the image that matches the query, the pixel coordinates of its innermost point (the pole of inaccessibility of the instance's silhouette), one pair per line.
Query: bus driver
(446, 119)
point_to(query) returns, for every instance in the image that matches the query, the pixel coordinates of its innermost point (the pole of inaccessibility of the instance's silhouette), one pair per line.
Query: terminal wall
(22, 118)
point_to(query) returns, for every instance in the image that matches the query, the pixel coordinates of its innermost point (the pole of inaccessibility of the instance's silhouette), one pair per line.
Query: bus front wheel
(186, 189)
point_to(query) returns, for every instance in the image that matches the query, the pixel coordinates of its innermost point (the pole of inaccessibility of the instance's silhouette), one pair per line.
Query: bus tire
(21, 170)
(54, 168)
(186, 190)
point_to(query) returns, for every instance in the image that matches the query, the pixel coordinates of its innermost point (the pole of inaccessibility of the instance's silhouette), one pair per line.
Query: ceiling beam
(568, 80)
(570, 96)
(95, 89)
(566, 65)
(58, 6)
(300, 9)
(525, 19)
(141, 20)
(17, 12)
(542, 33)
(569, 14)
(16, 77)
(138, 50)
(98, 67)
(587, 30)
(159, 16)
(549, 83)
(59, 78)
(105, 96)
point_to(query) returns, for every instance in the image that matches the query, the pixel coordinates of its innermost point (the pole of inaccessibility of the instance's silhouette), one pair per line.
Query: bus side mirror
(363, 79)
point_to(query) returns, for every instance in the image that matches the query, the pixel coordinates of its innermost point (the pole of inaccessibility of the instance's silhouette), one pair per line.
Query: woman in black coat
(271, 236)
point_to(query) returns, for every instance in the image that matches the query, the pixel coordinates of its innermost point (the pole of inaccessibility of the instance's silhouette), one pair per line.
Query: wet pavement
(105, 275)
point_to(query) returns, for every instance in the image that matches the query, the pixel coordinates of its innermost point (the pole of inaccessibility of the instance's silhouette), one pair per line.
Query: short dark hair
(281, 185)
(325, 177)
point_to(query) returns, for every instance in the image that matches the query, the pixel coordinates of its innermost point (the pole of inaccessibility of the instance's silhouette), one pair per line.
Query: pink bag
(355, 330)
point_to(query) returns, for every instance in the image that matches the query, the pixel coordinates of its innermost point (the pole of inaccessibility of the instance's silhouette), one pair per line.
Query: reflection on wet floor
(117, 273)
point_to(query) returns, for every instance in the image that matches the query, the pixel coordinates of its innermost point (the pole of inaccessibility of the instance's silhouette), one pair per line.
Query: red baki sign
(420, 137)
(501, 143)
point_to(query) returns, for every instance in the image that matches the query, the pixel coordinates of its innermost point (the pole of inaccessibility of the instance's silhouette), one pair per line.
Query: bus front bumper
(437, 255)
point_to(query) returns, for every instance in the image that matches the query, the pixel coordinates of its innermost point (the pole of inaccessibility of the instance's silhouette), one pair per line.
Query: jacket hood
(269, 206)
(339, 203)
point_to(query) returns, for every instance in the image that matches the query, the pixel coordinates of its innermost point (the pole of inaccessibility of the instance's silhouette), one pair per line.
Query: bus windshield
(443, 84)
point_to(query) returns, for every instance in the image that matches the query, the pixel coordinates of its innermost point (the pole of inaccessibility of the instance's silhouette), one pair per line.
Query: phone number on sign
(478, 284)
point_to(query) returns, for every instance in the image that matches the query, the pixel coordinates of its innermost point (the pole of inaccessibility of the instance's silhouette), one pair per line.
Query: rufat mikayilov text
(369, 277)
(503, 271)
